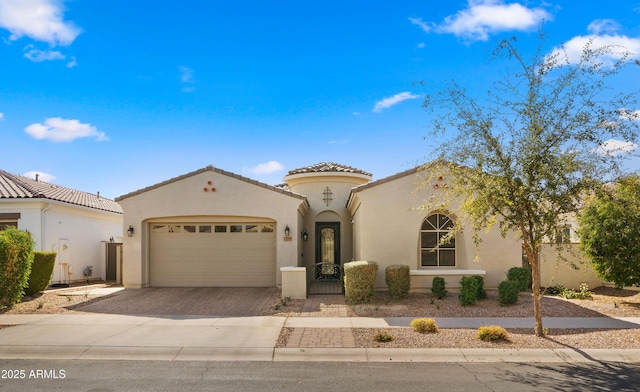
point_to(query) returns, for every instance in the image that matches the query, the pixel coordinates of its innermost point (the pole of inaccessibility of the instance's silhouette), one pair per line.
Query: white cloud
(72, 63)
(186, 77)
(603, 34)
(1, 116)
(40, 20)
(42, 176)
(626, 114)
(422, 24)
(267, 168)
(614, 147)
(61, 130)
(484, 17)
(599, 26)
(37, 55)
(186, 74)
(394, 100)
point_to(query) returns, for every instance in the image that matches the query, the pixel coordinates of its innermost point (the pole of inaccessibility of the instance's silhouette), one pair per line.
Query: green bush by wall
(360, 281)
(468, 291)
(520, 275)
(16, 257)
(438, 287)
(398, 280)
(481, 293)
(508, 292)
(41, 272)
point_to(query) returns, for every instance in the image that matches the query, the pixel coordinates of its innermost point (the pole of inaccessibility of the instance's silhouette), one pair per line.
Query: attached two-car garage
(210, 228)
(212, 254)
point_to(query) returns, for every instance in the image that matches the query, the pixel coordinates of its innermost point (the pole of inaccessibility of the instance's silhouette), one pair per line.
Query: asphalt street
(105, 376)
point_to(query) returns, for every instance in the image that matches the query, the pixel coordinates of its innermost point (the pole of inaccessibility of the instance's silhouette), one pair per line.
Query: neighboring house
(74, 224)
(211, 227)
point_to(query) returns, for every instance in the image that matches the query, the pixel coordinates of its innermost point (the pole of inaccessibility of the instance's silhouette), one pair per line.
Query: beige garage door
(212, 255)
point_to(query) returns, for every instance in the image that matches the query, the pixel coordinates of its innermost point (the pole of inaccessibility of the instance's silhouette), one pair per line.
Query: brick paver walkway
(324, 306)
(321, 337)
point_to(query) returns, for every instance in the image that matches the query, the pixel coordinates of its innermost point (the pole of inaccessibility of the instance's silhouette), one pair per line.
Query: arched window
(433, 253)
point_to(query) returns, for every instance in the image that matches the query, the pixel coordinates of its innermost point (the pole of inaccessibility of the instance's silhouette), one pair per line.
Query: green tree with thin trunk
(524, 156)
(610, 232)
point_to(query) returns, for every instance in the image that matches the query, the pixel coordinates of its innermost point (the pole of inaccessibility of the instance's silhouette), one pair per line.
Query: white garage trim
(212, 254)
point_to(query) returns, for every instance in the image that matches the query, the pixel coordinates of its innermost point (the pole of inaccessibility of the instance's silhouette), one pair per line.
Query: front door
(328, 242)
(327, 274)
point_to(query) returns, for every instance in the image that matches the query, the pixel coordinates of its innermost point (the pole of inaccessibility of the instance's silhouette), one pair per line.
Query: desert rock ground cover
(606, 302)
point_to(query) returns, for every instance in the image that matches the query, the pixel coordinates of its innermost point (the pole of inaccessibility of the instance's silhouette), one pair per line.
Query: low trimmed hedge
(16, 257)
(468, 290)
(481, 293)
(398, 280)
(360, 281)
(508, 291)
(41, 272)
(438, 287)
(520, 275)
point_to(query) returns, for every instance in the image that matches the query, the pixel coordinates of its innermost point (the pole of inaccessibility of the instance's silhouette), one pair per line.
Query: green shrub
(468, 291)
(437, 287)
(554, 290)
(492, 333)
(520, 275)
(41, 272)
(508, 291)
(424, 325)
(16, 256)
(584, 293)
(383, 337)
(398, 281)
(481, 293)
(360, 281)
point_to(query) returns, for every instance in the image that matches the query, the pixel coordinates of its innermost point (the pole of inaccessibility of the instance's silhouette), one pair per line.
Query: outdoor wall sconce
(305, 235)
(130, 231)
(287, 231)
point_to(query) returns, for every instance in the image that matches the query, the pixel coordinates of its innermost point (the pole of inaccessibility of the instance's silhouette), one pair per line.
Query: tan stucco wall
(312, 185)
(387, 225)
(553, 270)
(185, 200)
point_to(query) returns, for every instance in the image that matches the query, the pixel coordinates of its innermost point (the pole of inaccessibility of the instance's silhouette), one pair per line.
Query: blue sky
(113, 96)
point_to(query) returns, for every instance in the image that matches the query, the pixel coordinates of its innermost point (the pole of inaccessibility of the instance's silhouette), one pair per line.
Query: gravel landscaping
(606, 302)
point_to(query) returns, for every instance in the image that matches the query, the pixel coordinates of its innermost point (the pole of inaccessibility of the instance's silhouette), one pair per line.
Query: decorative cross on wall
(327, 196)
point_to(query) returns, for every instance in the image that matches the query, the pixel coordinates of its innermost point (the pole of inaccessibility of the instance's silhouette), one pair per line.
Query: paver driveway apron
(195, 301)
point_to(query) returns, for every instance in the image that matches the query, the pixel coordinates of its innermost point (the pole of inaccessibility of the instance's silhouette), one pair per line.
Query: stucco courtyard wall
(571, 272)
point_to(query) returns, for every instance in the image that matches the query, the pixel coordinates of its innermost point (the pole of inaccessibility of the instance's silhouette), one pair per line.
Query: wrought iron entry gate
(326, 278)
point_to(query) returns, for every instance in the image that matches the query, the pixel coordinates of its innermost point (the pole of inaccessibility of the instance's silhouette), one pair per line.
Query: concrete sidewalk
(192, 338)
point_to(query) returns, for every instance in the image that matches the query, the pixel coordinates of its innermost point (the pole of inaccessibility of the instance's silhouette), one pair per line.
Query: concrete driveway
(197, 301)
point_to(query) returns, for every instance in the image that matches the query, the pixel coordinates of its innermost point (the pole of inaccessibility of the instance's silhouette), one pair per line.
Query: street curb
(447, 355)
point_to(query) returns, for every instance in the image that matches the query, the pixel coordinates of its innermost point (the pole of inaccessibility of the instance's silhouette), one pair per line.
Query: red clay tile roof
(13, 186)
(328, 167)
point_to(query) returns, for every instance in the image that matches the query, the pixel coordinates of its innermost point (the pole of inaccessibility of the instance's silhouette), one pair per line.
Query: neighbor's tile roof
(13, 186)
(323, 167)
